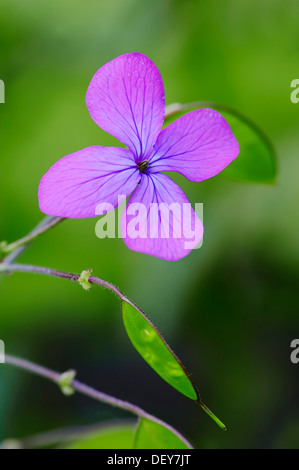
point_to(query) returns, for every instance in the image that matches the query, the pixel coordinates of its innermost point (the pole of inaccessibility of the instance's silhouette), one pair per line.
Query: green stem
(211, 414)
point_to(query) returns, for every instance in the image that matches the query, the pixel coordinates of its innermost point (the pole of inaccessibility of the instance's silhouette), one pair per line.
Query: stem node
(65, 382)
(84, 279)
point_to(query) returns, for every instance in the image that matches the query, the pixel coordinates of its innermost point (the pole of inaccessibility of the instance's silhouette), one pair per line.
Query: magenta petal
(169, 235)
(76, 184)
(126, 98)
(198, 145)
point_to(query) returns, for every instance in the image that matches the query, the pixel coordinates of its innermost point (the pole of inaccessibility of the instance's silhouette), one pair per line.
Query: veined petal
(76, 184)
(126, 98)
(159, 219)
(198, 145)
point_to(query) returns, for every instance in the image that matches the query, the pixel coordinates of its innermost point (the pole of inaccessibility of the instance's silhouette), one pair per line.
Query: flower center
(142, 166)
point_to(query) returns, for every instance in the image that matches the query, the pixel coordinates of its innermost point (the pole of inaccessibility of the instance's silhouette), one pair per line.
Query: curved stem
(31, 367)
(175, 108)
(91, 392)
(64, 275)
(92, 280)
(14, 249)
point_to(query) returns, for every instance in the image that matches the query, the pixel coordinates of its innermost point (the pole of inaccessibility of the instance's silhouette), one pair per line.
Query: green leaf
(117, 436)
(256, 162)
(151, 435)
(147, 340)
(155, 351)
(148, 435)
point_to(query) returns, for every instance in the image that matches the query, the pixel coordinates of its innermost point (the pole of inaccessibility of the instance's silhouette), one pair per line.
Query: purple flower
(126, 99)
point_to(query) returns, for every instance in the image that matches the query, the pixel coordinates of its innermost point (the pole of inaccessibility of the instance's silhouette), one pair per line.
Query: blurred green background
(230, 309)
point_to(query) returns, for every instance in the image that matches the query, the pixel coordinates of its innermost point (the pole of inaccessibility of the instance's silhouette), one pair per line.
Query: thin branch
(91, 392)
(15, 249)
(100, 282)
(54, 376)
(33, 368)
(61, 274)
(175, 108)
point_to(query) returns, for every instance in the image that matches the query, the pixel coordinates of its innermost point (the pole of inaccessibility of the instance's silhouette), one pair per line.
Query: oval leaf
(151, 435)
(112, 436)
(155, 351)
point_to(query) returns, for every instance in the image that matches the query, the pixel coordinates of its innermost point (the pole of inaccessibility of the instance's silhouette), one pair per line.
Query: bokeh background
(230, 309)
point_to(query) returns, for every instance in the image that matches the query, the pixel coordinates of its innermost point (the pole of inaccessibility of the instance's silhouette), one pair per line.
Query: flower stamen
(142, 166)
